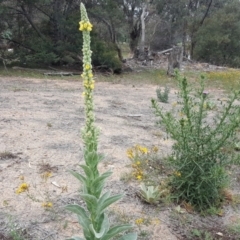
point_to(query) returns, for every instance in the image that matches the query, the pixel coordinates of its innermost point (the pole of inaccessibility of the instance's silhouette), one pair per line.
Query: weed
(163, 95)
(150, 194)
(94, 220)
(200, 165)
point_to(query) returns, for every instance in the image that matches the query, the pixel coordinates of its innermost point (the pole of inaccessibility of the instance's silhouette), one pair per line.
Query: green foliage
(217, 42)
(150, 194)
(163, 95)
(198, 156)
(105, 55)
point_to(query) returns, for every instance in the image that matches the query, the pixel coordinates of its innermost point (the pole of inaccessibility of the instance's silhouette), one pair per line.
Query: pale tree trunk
(143, 54)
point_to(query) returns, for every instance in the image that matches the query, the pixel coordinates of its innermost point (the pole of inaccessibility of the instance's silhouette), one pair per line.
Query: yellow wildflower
(139, 177)
(139, 221)
(85, 26)
(22, 188)
(130, 153)
(90, 75)
(143, 150)
(92, 86)
(178, 174)
(47, 204)
(87, 66)
(138, 162)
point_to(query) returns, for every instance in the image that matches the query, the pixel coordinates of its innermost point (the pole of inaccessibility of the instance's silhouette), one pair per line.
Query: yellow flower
(22, 188)
(47, 204)
(87, 66)
(143, 150)
(92, 86)
(90, 75)
(139, 221)
(130, 153)
(85, 26)
(178, 174)
(138, 162)
(139, 177)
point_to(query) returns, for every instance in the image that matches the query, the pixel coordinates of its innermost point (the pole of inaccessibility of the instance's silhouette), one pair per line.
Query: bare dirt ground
(40, 124)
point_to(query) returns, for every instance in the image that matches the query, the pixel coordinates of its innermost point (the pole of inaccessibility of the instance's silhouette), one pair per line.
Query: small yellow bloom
(22, 188)
(178, 174)
(47, 204)
(85, 26)
(90, 75)
(139, 177)
(139, 221)
(87, 66)
(138, 162)
(130, 153)
(92, 86)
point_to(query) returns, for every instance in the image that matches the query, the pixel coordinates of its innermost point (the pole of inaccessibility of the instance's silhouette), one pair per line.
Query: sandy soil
(40, 125)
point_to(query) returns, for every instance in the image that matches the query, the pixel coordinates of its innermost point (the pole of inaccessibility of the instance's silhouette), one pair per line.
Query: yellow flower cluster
(85, 26)
(22, 188)
(139, 221)
(136, 151)
(47, 204)
(137, 172)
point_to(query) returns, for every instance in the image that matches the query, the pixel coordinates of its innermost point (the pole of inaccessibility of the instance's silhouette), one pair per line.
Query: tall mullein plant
(93, 217)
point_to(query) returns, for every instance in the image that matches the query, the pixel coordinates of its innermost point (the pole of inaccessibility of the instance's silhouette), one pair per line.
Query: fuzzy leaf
(103, 229)
(98, 183)
(107, 202)
(79, 176)
(82, 215)
(90, 200)
(116, 230)
(88, 171)
(130, 236)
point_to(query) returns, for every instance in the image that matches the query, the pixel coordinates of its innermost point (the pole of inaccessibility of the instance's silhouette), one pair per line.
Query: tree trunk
(175, 60)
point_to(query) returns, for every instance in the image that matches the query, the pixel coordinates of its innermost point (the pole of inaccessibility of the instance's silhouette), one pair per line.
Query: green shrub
(198, 158)
(163, 95)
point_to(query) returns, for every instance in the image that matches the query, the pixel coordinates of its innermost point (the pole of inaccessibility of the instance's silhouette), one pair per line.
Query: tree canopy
(45, 32)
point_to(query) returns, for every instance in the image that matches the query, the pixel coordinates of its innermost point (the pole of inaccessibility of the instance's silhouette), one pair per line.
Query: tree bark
(174, 60)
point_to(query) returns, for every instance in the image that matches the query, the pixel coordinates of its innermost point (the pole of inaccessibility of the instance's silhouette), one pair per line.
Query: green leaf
(130, 236)
(103, 228)
(82, 215)
(107, 202)
(98, 183)
(90, 200)
(87, 171)
(79, 176)
(103, 198)
(116, 230)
